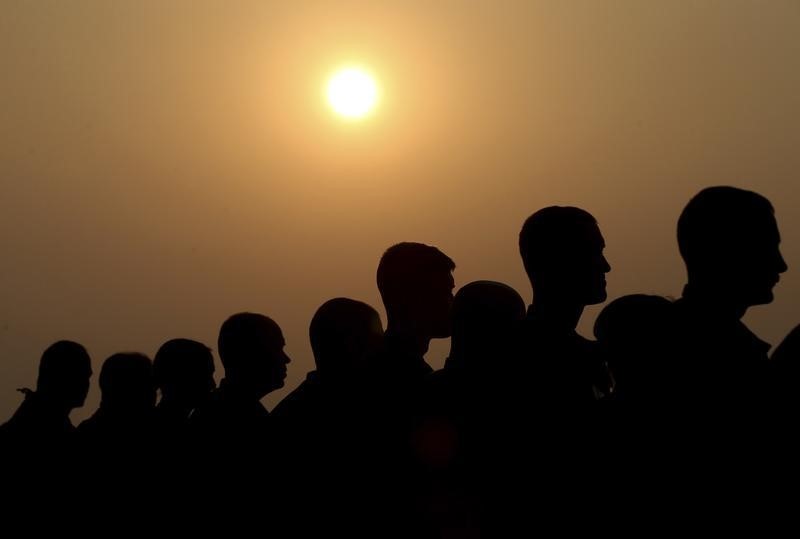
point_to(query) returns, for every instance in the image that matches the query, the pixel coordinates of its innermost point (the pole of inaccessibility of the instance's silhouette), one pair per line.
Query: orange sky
(164, 166)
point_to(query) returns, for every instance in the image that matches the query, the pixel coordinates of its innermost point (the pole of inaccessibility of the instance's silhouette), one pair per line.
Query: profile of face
(730, 242)
(434, 303)
(79, 387)
(345, 335)
(64, 374)
(251, 347)
(184, 372)
(756, 263)
(562, 251)
(73, 387)
(269, 360)
(199, 380)
(582, 268)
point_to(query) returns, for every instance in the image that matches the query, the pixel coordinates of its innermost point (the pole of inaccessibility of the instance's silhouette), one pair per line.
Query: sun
(352, 93)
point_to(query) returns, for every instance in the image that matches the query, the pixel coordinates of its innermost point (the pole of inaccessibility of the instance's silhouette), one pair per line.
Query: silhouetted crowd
(528, 428)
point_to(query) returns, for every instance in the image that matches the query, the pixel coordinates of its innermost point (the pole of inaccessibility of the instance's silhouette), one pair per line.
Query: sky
(165, 164)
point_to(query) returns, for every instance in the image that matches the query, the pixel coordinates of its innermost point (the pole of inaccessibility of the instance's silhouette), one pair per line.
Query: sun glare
(352, 93)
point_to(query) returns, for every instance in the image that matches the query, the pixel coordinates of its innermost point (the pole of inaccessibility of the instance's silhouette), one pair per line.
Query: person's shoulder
(294, 400)
(6, 430)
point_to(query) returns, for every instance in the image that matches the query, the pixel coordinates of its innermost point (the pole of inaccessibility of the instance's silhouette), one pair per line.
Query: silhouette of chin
(760, 292)
(762, 297)
(599, 298)
(598, 295)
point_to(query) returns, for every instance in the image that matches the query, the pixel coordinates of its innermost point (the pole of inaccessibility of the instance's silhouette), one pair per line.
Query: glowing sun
(352, 93)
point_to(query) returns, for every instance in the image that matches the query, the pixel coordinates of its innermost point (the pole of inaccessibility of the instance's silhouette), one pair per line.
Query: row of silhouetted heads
(375, 443)
(648, 348)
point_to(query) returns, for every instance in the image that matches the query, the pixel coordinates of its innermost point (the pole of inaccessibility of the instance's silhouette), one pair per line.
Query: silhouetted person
(321, 423)
(184, 373)
(458, 409)
(251, 350)
(117, 441)
(719, 436)
(42, 469)
(484, 316)
(635, 333)
(344, 335)
(127, 401)
(631, 331)
(62, 385)
(562, 251)
(416, 285)
(729, 240)
(545, 434)
(234, 428)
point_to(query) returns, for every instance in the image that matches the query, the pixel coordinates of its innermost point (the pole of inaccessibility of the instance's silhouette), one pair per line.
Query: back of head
(635, 332)
(344, 333)
(729, 239)
(415, 280)
(251, 350)
(562, 249)
(484, 315)
(64, 372)
(632, 318)
(183, 370)
(126, 384)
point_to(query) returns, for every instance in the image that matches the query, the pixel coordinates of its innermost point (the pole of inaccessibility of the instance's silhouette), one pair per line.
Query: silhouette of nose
(606, 265)
(782, 266)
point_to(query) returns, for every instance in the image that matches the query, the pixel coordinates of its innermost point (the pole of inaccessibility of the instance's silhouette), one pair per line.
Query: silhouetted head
(484, 315)
(562, 250)
(344, 334)
(632, 330)
(64, 372)
(126, 384)
(632, 319)
(251, 349)
(184, 372)
(416, 284)
(729, 239)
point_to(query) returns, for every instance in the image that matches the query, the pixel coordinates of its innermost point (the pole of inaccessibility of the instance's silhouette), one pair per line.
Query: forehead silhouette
(724, 217)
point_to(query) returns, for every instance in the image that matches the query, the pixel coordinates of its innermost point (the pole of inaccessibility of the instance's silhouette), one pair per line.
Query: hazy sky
(165, 164)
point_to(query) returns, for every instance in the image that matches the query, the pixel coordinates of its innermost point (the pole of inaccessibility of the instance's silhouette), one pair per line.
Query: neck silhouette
(554, 312)
(241, 389)
(715, 298)
(408, 331)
